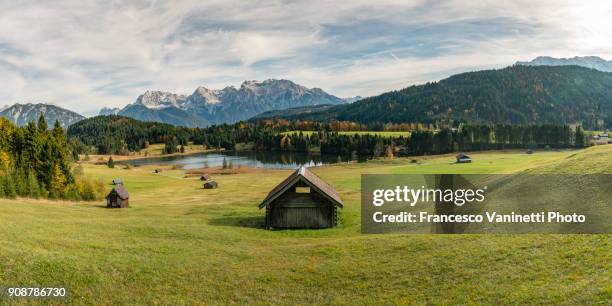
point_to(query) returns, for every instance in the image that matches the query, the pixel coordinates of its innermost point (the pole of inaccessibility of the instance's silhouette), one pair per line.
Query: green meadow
(181, 244)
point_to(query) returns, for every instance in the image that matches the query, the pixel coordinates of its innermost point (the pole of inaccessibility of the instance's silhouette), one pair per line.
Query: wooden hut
(302, 200)
(117, 181)
(118, 197)
(463, 158)
(529, 151)
(210, 185)
(205, 177)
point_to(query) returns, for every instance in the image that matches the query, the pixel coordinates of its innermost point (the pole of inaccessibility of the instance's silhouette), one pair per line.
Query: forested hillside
(119, 135)
(513, 95)
(35, 162)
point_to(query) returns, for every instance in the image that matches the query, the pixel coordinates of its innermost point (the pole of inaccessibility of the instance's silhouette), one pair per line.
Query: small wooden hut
(529, 151)
(117, 181)
(210, 185)
(118, 197)
(205, 177)
(302, 200)
(463, 158)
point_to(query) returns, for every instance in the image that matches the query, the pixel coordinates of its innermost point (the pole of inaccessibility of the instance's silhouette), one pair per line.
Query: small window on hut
(302, 189)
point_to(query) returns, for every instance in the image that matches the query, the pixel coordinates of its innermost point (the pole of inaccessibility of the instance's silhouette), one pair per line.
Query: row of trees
(281, 135)
(121, 135)
(420, 142)
(36, 162)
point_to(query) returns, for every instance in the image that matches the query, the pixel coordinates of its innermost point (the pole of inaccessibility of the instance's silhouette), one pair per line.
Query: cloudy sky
(83, 55)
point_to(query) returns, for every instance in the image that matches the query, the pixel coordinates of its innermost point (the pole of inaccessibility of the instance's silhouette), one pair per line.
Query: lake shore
(154, 151)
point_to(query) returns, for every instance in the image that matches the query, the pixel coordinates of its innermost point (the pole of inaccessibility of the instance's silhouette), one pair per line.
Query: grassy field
(383, 134)
(180, 244)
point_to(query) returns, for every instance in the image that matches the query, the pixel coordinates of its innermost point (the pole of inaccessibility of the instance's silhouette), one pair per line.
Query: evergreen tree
(111, 162)
(579, 138)
(42, 124)
(9, 186)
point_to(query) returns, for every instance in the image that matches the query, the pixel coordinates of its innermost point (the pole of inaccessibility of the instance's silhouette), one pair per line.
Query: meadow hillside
(180, 244)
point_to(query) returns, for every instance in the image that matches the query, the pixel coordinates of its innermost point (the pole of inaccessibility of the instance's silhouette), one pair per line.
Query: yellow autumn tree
(59, 180)
(5, 160)
(389, 153)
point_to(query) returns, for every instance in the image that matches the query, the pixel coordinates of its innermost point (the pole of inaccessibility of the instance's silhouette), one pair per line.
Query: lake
(272, 160)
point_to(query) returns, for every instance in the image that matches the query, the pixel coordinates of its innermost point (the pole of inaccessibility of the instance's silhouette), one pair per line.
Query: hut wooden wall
(301, 210)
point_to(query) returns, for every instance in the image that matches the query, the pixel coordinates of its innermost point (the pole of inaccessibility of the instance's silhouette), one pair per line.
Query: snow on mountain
(205, 106)
(22, 114)
(593, 62)
(159, 99)
(105, 111)
(352, 99)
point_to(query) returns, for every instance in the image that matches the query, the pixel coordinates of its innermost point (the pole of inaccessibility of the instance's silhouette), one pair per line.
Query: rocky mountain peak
(593, 62)
(22, 114)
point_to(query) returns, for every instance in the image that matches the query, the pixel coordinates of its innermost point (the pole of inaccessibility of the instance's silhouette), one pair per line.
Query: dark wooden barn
(303, 200)
(118, 197)
(211, 185)
(463, 158)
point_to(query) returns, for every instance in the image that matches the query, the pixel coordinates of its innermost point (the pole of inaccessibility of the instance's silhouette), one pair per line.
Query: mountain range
(513, 95)
(529, 92)
(593, 62)
(22, 114)
(205, 106)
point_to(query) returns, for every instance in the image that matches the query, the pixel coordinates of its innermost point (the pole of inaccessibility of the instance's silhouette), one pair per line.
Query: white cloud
(87, 54)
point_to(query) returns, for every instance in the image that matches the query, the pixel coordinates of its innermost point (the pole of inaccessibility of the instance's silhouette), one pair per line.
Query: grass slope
(179, 244)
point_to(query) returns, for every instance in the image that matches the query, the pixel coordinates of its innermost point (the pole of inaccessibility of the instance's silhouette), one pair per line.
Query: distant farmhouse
(602, 139)
(463, 158)
(302, 200)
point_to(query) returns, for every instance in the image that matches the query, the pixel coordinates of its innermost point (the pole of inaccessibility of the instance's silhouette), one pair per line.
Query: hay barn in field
(463, 158)
(211, 185)
(118, 198)
(302, 200)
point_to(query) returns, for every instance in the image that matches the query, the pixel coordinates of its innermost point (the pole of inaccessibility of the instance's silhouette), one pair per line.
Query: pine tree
(33, 186)
(2, 191)
(9, 187)
(111, 162)
(224, 163)
(58, 132)
(42, 124)
(579, 142)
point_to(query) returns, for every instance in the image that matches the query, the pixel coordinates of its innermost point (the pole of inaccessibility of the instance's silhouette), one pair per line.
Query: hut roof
(462, 155)
(121, 192)
(211, 183)
(310, 179)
